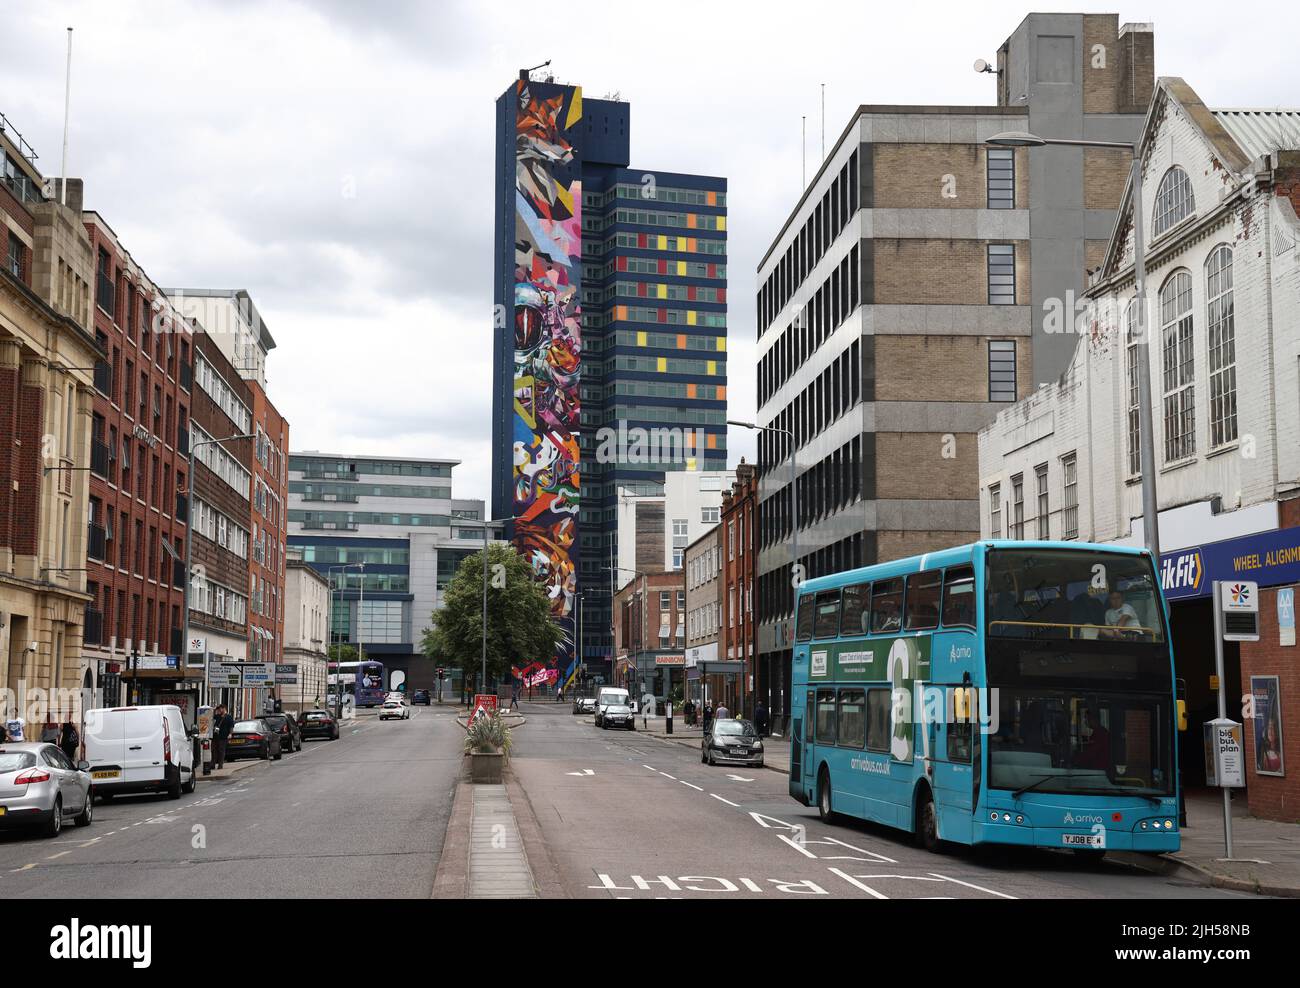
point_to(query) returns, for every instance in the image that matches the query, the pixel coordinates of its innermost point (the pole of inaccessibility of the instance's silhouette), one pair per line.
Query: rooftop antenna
(67, 102)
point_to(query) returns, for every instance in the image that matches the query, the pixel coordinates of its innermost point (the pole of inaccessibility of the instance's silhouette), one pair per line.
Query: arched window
(1178, 365)
(1133, 418)
(1174, 200)
(1222, 336)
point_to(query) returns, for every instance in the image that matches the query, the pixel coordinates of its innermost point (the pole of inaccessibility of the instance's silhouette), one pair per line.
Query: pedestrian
(4, 733)
(760, 719)
(708, 715)
(50, 733)
(722, 713)
(69, 741)
(514, 695)
(688, 712)
(559, 694)
(223, 724)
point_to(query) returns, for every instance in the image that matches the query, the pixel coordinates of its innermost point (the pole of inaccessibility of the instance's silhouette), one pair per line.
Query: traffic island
(485, 767)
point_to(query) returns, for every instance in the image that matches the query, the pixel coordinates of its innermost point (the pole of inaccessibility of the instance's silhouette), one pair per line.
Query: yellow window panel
(722, 222)
(690, 318)
(690, 463)
(663, 242)
(713, 367)
(681, 267)
(662, 291)
(662, 364)
(722, 343)
(640, 337)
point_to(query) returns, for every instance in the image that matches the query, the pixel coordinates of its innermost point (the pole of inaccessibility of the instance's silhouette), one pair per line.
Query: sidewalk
(1266, 854)
(217, 774)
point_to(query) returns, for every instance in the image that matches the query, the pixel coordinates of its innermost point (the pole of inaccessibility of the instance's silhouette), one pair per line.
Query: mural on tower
(548, 346)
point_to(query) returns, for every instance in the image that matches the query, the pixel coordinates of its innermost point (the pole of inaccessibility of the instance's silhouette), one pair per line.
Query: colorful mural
(548, 346)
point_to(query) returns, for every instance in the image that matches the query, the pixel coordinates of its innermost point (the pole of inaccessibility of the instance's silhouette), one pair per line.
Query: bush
(488, 735)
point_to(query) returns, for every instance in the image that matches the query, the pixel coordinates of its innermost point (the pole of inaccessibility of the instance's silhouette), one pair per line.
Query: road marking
(695, 787)
(853, 881)
(978, 888)
(26, 867)
(739, 778)
(667, 776)
(584, 772)
(759, 818)
(727, 801)
(650, 767)
(798, 847)
(51, 857)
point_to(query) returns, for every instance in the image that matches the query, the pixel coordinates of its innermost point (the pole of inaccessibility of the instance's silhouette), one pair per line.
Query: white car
(139, 749)
(395, 708)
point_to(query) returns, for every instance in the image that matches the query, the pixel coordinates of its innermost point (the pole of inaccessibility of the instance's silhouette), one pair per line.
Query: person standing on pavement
(222, 726)
(69, 741)
(708, 715)
(722, 713)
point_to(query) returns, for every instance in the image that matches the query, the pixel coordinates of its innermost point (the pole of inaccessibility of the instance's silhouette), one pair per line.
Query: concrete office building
(655, 529)
(397, 515)
(306, 613)
(902, 303)
(609, 356)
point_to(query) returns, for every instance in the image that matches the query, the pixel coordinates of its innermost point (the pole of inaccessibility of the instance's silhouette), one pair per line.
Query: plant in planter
(487, 742)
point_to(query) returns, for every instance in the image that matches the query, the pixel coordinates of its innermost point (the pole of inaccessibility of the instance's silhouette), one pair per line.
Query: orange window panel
(690, 391)
(681, 341)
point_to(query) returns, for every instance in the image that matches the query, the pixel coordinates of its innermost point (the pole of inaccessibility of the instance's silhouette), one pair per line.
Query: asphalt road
(626, 815)
(361, 817)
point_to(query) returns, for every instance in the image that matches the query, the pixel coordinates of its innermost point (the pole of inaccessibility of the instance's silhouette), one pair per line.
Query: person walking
(514, 695)
(223, 725)
(760, 719)
(722, 713)
(69, 741)
(708, 715)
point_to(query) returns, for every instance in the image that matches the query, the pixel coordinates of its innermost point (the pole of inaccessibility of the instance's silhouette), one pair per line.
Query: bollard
(668, 710)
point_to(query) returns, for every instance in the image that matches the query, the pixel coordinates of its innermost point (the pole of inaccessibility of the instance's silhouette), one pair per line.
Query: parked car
(732, 742)
(40, 787)
(254, 739)
(584, 704)
(422, 696)
(139, 749)
(608, 695)
(617, 715)
(319, 724)
(287, 726)
(395, 708)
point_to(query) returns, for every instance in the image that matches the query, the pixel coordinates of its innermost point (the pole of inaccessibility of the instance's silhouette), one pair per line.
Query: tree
(520, 627)
(343, 653)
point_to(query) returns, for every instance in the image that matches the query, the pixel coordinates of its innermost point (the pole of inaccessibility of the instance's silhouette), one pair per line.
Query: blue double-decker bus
(1002, 692)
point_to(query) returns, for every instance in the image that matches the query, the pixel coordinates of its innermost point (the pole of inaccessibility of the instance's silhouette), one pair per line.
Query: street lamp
(794, 526)
(485, 525)
(1150, 508)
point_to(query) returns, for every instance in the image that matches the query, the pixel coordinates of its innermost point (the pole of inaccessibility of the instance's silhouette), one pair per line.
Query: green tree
(520, 628)
(343, 653)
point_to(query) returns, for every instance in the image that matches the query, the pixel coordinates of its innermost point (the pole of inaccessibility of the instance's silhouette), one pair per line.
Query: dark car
(289, 731)
(732, 742)
(254, 739)
(422, 696)
(318, 724)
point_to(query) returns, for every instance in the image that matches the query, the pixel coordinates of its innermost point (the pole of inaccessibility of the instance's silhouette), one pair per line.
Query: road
(361, 817)
(626, 815)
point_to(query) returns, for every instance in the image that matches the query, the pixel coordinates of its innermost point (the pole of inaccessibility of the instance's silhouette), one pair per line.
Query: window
(1001, 178)
(852, 719)
(665, 600)
(710, 516)
(961, 718)
(855, 610)
(1174, 200)
(804, 630)
(1017, 526)
(827, 623)
(878, 706)
(1134, 413)
(1040, 479)
(1070, 496)
(1223, 347)
(959, 597)
(1002, 274)
(923, 591)
(995, 511)
(887, 605)
(825, 733)
(1178, 365)
(15, 260)
(1002, 370)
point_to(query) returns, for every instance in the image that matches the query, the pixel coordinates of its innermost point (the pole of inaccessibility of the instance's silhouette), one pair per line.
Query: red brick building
(134, 622)
(650, 634)
(267, 511)
(737, 636)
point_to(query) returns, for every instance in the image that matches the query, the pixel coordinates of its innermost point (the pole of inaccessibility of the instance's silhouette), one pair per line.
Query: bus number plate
(1083, 840)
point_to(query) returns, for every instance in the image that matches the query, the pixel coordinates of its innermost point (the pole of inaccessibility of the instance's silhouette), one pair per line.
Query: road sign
(286, 675)
(1225, 761)
(1239, 602)
(1286, 616)
(259, 674)
(225, 675)
(485, 703)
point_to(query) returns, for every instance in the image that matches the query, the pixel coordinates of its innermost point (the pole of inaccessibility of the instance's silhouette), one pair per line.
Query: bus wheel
(927, 822)
(824, 796)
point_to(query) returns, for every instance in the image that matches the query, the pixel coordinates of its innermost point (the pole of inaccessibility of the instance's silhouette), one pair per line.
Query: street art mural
(536, 674)
(548, 346)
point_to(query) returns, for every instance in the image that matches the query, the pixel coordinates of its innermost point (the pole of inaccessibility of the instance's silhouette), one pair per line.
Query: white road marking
(853, 881)
(738, 778)
(727, 801)
(802, 850)
(760, 819)
(51, 857)
(667, 776)
(26, 867)
(695, 787)
(978, 888)
(650, 767)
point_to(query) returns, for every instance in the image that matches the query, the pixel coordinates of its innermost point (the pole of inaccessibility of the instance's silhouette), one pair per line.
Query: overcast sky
(335, 157)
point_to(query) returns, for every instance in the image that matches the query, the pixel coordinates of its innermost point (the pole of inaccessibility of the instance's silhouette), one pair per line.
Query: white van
(607, 695)
(139, 749)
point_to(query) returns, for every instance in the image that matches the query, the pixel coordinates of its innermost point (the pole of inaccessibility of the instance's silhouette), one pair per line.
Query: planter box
(485, 767)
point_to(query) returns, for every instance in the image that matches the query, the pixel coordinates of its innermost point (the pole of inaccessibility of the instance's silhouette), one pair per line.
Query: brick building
(134, 621)
(903, 301)
(737, 638)
(650, 634)
(1220, 193)
(702, 569)
(46, 355)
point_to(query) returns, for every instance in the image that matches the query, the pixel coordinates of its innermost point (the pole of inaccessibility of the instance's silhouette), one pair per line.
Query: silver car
(40, 787)
(732, 741)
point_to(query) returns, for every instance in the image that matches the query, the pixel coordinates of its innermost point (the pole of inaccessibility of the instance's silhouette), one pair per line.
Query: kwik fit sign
(1267, 558)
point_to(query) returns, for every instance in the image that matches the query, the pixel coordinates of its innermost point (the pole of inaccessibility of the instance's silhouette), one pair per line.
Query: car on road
(584, 704)
(732, 741)
(254, 739)
(609, 696)
(395, 709)
(319, 724)
(139, 749)
(287, 727)
(422, 696)
(617, 715)
(40, 787)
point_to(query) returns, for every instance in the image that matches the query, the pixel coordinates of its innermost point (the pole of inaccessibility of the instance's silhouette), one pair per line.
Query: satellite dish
(981, 65)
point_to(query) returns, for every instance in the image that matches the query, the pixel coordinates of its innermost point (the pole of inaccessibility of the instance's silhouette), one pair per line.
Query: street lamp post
(794, 526)
(485, 525)
(338, 676)
(1150, 507)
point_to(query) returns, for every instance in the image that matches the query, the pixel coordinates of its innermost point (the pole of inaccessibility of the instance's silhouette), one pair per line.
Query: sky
(335, 158)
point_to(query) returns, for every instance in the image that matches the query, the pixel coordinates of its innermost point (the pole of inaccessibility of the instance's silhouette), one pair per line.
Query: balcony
(93, 629)
(104, 378)
(100, 457)
(98, 540)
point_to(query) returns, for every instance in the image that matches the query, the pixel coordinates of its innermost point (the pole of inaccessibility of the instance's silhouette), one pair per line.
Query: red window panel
(713, 270)
(690, 293)
(640, 289)
(663, 315)
(663, 266)
(722, 294)
(640, 239)
(622, 262)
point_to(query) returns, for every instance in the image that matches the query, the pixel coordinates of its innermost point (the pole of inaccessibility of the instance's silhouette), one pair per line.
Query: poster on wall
(1265, 693)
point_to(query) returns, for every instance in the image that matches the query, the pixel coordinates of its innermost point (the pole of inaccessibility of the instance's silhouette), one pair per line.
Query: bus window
(959, 597)
(852, 719)
(825, 716)
(856, 610)
(827, 623)
(961, 717)
(887, 605)
(805, 628)
(923, 600)
(878, 702)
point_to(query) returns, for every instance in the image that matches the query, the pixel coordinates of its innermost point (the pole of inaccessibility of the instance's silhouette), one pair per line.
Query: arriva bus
(365, 681)
(1001, 692)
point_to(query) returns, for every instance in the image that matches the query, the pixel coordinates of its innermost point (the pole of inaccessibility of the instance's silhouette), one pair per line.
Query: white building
(654, 530)
(1220, 189)
(306, 613)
